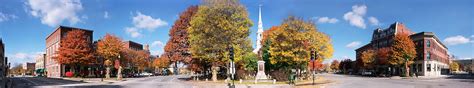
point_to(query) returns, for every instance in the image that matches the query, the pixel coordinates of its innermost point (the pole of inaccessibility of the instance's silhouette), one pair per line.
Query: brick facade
(53, 41)
(432, 54)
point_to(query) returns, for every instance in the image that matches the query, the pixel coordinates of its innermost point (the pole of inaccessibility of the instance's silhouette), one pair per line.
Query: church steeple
(259, 31)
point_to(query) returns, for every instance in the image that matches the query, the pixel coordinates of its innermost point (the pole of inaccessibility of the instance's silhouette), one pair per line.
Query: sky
(25, 24)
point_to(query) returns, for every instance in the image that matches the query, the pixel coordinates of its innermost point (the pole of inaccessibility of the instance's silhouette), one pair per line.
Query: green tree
(216, 26)
(402, 52)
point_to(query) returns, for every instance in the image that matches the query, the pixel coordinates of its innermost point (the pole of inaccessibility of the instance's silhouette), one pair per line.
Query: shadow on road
(92, 86)
(463, 76)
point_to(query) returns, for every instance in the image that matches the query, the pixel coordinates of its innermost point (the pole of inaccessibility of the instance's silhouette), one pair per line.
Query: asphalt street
(338, 81)
(346, 81)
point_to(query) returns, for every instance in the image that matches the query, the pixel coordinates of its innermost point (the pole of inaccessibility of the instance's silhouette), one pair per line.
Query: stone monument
(261, 70)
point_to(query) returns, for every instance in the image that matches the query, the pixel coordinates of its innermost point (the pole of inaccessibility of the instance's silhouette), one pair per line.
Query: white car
(146, 74)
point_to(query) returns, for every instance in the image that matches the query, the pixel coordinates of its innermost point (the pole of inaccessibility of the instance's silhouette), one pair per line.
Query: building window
(428, 67)
(428, 56)
(428, 43)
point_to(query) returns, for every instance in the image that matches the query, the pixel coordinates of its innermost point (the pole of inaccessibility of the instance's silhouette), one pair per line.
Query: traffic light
(231, 53)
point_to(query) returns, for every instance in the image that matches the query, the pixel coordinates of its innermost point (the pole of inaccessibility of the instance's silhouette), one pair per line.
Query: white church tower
(260, 30)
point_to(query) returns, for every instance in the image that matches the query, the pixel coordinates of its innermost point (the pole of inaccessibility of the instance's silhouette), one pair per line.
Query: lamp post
(313, 54)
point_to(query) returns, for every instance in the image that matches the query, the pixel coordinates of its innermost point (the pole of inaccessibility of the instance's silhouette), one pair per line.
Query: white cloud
(147, 22)
(355, 17)
(157, 44)
(455, 40)
(326, 20)
(6, 17)
(54, 12)
(354, 44)
(133, 32)
(157, 47)
(22, 57)
(472, 36)
(141, 21)
(373, 21)
(106, 15)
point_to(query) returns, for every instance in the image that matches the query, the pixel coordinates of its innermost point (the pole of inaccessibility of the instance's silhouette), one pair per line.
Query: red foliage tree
(178, 45)
(75, 50)
(382, 56)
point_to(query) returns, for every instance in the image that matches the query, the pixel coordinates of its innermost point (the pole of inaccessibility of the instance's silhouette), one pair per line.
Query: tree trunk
(214, 73)
(107, 73)
(407, 70)
(119, 73)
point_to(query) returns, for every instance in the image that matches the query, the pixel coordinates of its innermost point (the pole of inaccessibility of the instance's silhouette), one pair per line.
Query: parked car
(146, 74)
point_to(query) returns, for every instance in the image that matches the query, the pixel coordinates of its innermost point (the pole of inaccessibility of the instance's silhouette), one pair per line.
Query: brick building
(133, 45)
(29, 68)
(54, 69)
(432, 54)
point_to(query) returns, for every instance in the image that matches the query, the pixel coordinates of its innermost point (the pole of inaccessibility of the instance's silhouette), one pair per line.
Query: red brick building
(432, 54)
(53, 41)
(132, 45)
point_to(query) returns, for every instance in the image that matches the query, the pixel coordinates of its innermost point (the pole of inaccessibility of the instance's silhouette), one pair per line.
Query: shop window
(428, 67)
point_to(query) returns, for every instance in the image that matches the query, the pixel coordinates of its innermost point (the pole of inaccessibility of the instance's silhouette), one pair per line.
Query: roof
(429, 34)
(66, 27)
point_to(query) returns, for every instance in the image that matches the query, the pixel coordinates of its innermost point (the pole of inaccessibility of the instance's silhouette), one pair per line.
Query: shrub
(280, 74)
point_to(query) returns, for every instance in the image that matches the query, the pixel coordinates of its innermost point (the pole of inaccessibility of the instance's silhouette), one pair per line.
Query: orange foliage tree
(139, 59)
(109, 48)
(75, 49)
(335, 65)
(402, 52)
(368, 59)
(382, 56)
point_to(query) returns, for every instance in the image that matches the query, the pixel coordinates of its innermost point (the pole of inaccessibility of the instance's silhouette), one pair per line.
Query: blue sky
(24, 24)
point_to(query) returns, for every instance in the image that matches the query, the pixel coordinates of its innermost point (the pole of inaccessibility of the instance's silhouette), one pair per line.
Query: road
(339, 81)
(344, 81)
(146, 82)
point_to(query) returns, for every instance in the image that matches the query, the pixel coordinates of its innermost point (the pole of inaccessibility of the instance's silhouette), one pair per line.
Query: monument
(261, 63)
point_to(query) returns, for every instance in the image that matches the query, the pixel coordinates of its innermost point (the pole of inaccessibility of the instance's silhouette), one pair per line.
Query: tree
(178, 44)
(216, 26)
(291, 43)
(345, 65)
(335, 65)
(76, 50)
(402, 52)
(318, 65)
(249, 62)
(109, 48)
(266, 48)
(454, 66)
(382, 56)
(368, 58)
(161, 62)
(139, 59)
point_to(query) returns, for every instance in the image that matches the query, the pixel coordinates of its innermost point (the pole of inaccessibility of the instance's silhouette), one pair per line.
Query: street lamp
(313, 60)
